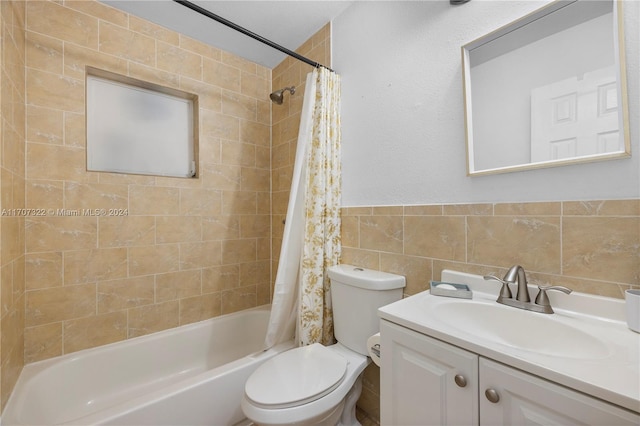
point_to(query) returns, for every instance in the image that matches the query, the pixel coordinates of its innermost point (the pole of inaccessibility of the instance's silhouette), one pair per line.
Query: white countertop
(613, 377)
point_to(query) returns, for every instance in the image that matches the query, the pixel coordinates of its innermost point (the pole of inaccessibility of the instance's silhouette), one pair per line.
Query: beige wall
(591, 247)
(285, 123)
(12, 179)
(187, 249)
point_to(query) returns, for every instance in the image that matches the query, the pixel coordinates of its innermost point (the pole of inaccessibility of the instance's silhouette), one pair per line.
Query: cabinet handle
(460, 380)
(492, 395)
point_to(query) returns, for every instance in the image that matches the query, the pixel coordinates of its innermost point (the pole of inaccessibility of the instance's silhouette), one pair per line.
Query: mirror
(548, 89)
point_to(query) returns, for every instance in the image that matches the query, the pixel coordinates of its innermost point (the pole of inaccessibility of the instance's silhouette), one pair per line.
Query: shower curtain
(301, 302)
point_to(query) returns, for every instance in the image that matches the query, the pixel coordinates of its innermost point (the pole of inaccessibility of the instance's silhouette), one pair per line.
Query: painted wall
(402, 110)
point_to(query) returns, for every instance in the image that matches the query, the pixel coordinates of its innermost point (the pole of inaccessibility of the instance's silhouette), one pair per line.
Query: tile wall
(186, 249)
(12, 185)
(286, 121)
(590, 246)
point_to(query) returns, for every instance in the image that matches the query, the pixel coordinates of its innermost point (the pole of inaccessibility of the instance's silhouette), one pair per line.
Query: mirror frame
(518, 23)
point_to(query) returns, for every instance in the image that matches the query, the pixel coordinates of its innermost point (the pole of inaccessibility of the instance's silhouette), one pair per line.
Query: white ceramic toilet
(320, 385)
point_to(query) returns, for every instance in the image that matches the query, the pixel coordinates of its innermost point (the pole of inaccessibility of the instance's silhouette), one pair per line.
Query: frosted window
(141, 130)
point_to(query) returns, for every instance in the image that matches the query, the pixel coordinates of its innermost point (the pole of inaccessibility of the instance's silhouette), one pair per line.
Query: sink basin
(529, 331)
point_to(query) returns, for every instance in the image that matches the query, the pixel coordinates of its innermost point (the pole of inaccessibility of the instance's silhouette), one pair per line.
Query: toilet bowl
(307, 385)
(316, 384)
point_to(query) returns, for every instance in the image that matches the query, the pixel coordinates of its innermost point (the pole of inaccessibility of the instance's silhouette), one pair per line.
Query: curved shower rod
(251, 34)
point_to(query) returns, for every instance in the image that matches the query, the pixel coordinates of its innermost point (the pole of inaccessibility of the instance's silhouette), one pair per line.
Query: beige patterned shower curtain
(311, 241)
(322, 245)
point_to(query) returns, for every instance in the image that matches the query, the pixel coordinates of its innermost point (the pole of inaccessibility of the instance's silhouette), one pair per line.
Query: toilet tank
(356, 295)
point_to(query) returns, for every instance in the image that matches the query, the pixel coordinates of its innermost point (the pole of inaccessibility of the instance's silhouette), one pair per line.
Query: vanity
(450, 361)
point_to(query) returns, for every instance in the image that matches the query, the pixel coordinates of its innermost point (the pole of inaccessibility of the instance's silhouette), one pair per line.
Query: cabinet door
(418, 380)
(528, 400)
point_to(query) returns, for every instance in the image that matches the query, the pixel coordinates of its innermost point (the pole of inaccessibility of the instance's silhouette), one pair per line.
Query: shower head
(278, 96)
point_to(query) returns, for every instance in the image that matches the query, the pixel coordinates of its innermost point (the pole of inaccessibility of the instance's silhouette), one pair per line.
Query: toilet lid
(296, 377)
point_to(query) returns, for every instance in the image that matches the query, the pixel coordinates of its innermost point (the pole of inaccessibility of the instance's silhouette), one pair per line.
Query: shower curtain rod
(251, 34)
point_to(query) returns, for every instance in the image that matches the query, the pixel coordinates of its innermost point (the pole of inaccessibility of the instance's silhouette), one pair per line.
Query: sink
(528, 331)
(585, 345)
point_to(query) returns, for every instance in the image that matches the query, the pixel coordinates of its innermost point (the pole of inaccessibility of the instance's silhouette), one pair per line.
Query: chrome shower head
(278, 96)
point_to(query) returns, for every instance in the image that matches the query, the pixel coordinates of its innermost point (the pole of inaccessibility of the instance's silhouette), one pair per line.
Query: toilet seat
(296, 377)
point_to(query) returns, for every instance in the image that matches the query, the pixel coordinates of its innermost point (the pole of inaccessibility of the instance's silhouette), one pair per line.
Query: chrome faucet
(516, 275)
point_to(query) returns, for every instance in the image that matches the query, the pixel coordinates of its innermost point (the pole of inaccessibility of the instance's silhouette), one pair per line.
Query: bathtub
(190, 375)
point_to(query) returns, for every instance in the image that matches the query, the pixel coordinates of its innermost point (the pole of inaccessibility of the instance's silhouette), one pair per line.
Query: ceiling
(288, 23)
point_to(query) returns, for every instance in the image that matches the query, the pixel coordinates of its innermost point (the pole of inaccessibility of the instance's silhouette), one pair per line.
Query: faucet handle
(543, 300)
(505, 291)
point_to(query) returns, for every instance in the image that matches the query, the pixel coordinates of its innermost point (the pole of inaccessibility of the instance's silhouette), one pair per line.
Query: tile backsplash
(590, 246)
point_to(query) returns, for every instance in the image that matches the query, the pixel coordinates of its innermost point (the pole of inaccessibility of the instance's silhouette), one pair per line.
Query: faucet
(516, 274)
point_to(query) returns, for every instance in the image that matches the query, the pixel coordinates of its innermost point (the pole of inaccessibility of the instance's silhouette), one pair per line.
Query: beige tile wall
(590, 246)
(12, 184)
(186, 249)
(285, 123)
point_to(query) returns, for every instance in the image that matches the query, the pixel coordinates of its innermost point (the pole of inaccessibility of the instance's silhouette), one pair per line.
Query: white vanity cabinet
(525, 399)
(425, 381)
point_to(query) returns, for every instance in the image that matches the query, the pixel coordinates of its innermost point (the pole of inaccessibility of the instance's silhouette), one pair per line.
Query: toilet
(316, 384)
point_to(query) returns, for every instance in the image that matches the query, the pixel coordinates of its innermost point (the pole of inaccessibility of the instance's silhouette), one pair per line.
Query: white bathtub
(190, 375)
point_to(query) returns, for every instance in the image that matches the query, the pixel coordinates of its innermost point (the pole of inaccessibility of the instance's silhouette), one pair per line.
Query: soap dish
(461, 291)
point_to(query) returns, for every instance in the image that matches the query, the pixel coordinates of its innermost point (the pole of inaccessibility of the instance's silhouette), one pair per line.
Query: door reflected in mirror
(548, 89)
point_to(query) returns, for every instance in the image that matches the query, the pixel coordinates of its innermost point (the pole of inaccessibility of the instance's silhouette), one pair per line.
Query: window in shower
(139, 127)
